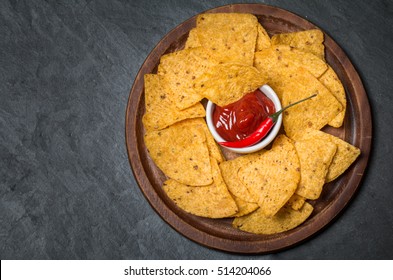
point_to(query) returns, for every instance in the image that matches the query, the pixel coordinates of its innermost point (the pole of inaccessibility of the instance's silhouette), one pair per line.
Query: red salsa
(238, 120)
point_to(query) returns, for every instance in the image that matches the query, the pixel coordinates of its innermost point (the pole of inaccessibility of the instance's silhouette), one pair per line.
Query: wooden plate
(218, 233)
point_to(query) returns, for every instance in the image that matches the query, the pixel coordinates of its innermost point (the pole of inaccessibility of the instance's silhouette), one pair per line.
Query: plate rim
(281, 242)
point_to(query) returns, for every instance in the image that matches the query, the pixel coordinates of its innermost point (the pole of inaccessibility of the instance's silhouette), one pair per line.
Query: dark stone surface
(66, 187)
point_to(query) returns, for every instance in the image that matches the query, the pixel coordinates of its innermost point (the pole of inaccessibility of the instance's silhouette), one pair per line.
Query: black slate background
(66, 187)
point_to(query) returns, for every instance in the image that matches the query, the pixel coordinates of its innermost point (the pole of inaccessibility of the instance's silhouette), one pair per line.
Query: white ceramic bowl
(269, 92)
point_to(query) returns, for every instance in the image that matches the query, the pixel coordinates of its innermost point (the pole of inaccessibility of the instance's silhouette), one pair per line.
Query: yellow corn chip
(315, 156)
(214, 149)
(161, 111)
(180, 151)
(229, 171)
(244, 207)
(212, 201)
(192, 40)
(286, 219)
(230, 37)
(296, 201)
(280, 61)
(180, 70)
(226, 83)
(331, 81)
(345, 155)
(274, 176)
(313, 113)
(267, 63)
(293, 58)
(266, 60)
(282, 39)
(263, 39)
(308, 41)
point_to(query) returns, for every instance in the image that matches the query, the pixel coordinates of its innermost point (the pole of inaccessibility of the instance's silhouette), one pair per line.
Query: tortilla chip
(229, 171)
(212, 146)
(345, 155)
(313, 113)
(244, 207)
(292, 57)
(192, 40)
(309, 41)
(226, 83)
(263, 39)
(286, 219)
(331, 81)
(212, 201)
(180, 151)
(180, 70)
(230, 37)
(296, 201)
(315, 156)
(278, 63)
(267, 63)
(274, 176)
(161, 111)
(282, 39)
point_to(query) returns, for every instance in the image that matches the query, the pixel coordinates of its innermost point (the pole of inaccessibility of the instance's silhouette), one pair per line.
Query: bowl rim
(272, 95)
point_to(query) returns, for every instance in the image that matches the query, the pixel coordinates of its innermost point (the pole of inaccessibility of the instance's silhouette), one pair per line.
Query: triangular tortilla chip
(345, 155)
(180, 151)
(230, 37)
(331, 81)
(308, 41)
(161, 111)
(229, 171)
(263, 39)
(180, 70)
(313, 113)
(315, 156)
(286, 219)
(279, 62)
(214, 149)
(296, 201)
(212, 201)
(226, 83)
(192, 40)
(244, 207)
(274, 176)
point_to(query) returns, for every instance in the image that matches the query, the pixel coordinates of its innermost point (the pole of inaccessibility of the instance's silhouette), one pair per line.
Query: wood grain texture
(219, 234)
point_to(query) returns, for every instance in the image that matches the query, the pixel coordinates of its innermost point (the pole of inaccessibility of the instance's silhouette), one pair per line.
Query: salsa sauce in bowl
(238, 120)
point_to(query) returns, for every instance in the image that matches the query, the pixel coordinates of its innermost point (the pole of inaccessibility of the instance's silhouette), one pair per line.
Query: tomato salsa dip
(238, 120)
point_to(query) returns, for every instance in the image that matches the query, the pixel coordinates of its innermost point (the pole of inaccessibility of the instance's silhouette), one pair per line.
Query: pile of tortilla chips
(225, 57)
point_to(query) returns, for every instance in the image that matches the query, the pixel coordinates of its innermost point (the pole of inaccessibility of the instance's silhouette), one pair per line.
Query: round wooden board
(218, 233)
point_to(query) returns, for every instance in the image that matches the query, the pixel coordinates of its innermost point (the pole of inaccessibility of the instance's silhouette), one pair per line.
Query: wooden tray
(218, 233)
